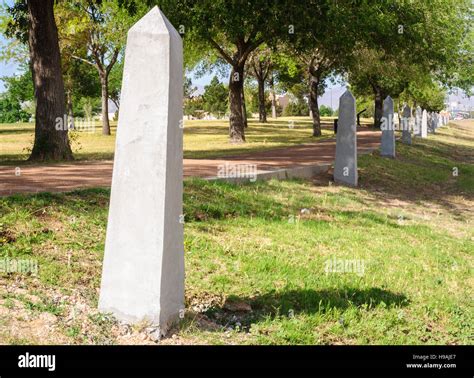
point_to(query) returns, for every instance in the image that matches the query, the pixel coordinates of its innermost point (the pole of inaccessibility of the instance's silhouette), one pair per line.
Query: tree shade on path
(67, 177)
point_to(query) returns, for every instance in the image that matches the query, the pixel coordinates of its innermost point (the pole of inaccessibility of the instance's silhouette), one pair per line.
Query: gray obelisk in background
(436, 121)
(345, 167)
(143, 272)
(417, 124)
(387, 148)
(431, 122)
(424, 124)
(406, 125)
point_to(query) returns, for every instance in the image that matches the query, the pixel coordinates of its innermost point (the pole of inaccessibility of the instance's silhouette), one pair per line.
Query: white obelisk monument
(143, 272)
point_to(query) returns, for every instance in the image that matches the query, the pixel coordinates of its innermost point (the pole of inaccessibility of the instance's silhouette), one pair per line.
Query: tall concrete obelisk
(143, 272)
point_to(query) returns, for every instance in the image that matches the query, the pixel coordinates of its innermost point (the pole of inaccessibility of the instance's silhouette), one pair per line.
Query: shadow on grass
(368, 217)
(420, 172)
(15, 131)
(304, 301)
(78, 200)
(204, 200)
(458, 154)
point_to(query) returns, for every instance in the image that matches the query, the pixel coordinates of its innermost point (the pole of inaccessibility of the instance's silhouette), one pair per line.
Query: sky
(6, 69)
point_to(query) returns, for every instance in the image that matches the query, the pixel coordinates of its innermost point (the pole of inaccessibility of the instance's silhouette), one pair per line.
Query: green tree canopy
(417, 38)
(94, 32)
(11, 110)
(233, 28)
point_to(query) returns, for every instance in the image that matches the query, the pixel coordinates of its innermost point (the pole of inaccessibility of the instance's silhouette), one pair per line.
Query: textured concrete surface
(406, 125)
(387, 148)
(424, 124)
(143, 272)
(345, 167)
(417, 123)
(431, 122)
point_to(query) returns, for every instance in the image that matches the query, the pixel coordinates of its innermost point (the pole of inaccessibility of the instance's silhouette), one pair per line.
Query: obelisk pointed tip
(388, 100)
(155, 22)
(347, 95)
(406, 111)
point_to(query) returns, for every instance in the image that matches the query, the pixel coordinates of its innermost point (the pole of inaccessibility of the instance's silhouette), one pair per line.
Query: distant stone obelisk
(417, 127)
(387, 148)
(431, 122)
(406, 125)
(436, 121)
(424, 124)
(143, 272)
(345, 167)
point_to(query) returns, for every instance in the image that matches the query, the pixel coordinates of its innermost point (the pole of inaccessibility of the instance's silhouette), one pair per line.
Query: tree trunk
(236, 120)
(262, 111)
(313, 105)
(70, 112)
(272, 86)
(51, 131)
(378, 114)
(244, 109)
(104, 81)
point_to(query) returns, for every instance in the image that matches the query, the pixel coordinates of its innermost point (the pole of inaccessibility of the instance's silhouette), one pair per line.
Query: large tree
(379, 74)
(234, 28)
(414, 37)
(51, 143)
(94, 32)
(260, 67)
(425, 91)
(80, 80)
(317, 49)
(322, 45)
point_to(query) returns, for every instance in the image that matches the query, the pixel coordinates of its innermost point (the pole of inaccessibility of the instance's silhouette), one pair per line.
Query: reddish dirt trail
(71, 176)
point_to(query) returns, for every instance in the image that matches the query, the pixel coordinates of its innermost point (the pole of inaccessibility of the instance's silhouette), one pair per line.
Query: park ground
(256, 255)
(202, 139)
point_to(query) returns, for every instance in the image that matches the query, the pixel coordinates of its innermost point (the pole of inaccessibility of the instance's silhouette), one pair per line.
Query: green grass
(409, 223)
(202, 139)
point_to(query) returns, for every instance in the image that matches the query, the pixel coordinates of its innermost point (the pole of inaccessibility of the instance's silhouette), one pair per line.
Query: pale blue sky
(6, 69)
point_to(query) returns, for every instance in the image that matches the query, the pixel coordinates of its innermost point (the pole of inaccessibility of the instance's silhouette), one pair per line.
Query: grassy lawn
(256, 257)
(202, 139)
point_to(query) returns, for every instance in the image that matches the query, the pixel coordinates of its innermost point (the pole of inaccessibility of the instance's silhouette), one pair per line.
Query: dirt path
(70, 176)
